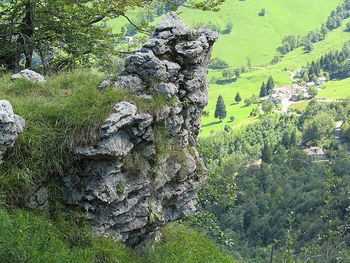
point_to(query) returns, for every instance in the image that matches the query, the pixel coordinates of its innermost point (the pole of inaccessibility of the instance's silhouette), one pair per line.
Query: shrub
(227, 128)
(262, 12)
(217, 63)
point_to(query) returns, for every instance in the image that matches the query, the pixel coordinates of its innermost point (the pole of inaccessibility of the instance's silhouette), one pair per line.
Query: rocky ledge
(145, 171)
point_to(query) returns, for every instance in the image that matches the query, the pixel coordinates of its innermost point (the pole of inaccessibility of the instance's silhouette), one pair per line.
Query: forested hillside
(291, 205)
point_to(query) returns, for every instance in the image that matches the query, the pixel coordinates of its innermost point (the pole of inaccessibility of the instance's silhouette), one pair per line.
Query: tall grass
(32, 237)
(60, 114)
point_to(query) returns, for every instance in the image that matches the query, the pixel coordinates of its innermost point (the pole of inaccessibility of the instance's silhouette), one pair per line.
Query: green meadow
(258, 37)
(335, 90)
(249, 83)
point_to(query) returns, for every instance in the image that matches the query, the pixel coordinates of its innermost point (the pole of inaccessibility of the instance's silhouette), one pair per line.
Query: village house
(129, 39)
(315, 153)
(298, 91)
(321, 80)
(310, 84)
(283, 92)
(279, 94)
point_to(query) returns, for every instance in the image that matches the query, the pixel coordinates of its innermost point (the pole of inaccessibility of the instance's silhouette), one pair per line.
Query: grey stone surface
(112, 147)
(11, 126)
(167, 89)
(39, 200)
(29, 75)
(129, 188)
(124, 113)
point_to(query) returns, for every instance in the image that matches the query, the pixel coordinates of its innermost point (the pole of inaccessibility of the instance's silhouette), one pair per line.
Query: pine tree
(266, 154)
(286, 138)
(293, 139)
(220, 110)
(270, 84)
(308, 47)
(238, 98)
(263, 90)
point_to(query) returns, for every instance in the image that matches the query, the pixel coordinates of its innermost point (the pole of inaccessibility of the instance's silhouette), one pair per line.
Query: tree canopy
(67, 33)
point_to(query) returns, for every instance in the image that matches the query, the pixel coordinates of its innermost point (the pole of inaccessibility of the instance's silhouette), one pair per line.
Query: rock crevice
(145, 170)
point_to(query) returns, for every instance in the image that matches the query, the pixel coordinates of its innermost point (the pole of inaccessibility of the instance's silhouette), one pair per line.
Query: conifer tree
(263, 90)
(266, 154)
(238, 98)
(270, 84)
(293, 138)
(220, 110)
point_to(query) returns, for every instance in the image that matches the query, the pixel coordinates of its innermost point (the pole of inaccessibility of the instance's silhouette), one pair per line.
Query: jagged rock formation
(145, 170)
(11, 126)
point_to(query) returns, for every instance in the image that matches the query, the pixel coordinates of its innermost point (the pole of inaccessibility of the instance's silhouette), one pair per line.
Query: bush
(228, 28)
(262, 12)
(217, 63)
(227, 128)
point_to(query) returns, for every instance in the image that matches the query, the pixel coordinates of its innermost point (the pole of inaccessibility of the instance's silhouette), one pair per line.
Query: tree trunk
(27, 31)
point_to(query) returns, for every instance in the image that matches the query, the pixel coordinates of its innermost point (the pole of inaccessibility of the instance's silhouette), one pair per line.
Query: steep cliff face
(145, 170)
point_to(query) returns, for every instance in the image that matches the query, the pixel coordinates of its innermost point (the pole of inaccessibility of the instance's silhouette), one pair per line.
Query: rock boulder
(11, 126)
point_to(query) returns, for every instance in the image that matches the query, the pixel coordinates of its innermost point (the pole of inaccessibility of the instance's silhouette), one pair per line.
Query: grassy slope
(258, 37)
(336, 90)
(33, 237)
(254, 36)
(250, 83)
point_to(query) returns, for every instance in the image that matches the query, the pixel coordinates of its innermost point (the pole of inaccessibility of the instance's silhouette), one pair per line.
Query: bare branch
(134, 25)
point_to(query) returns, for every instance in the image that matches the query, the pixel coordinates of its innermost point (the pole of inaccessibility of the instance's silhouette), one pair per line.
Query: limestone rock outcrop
(29, 75)
(145, 171)
(11, 126)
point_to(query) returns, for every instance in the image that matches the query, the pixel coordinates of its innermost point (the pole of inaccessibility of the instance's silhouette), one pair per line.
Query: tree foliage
(238, 97)
(289, 202)
(220, 109)
(67, 33)
(318, 129)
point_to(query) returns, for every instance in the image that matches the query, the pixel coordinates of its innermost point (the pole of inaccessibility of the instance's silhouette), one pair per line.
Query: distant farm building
(277, 95)
(321, 80)
(316, 153)
(310, 84)
(299, 91)
(129, 39)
